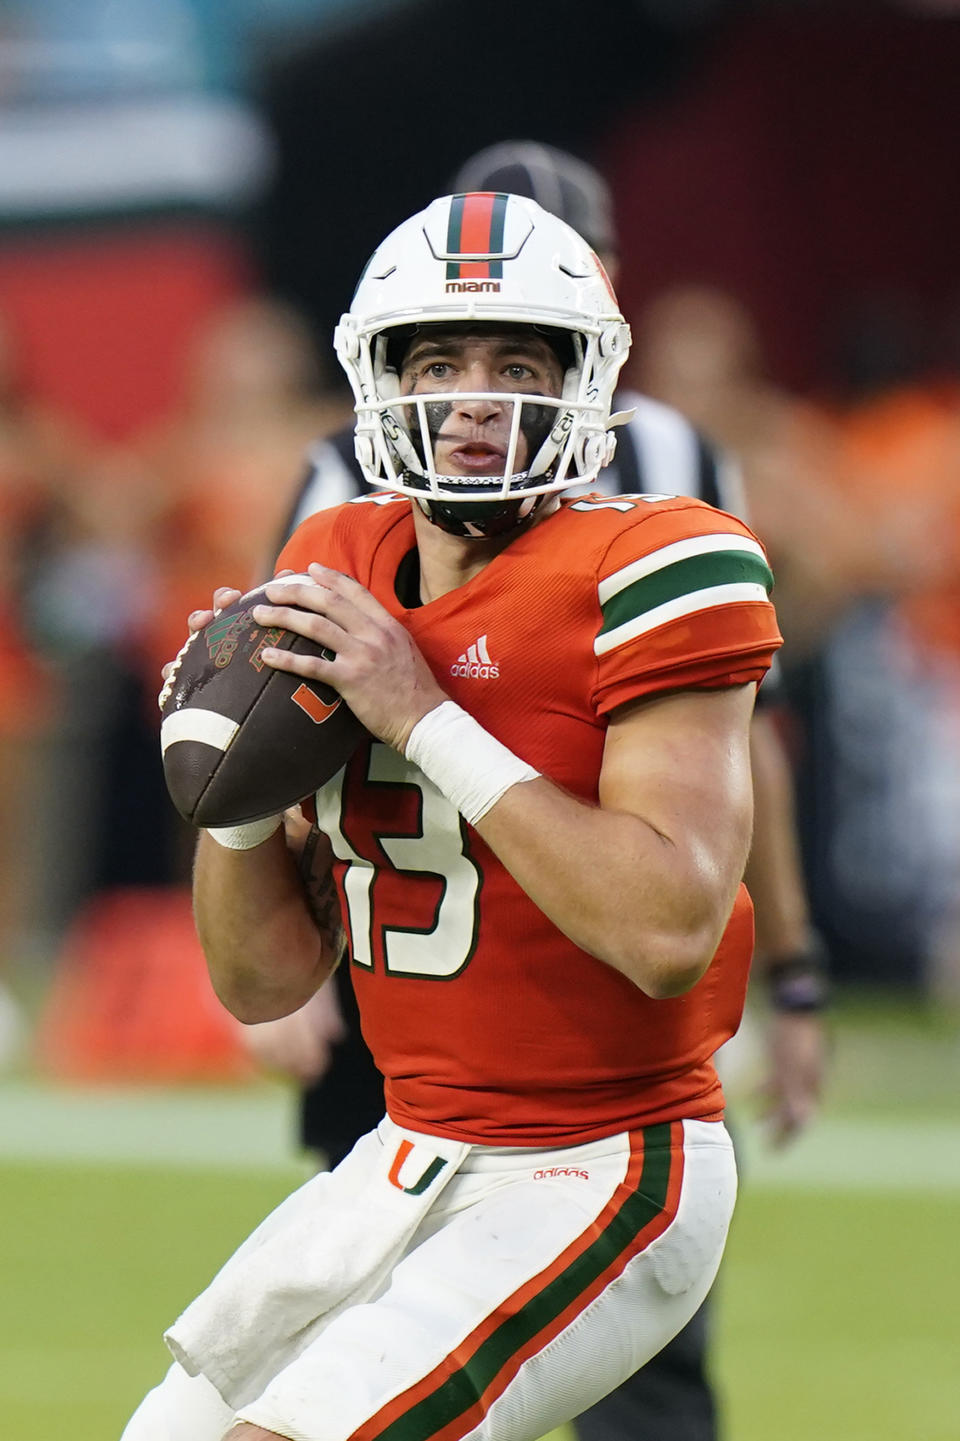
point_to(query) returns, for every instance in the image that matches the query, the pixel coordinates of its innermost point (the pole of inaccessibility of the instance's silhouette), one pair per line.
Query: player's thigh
(534, 1295)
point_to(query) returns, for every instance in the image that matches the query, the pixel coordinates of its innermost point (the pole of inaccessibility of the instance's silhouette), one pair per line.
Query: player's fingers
(302, 593)
(324, 633)
(314, 625)
(223, 596)
(311, 667)
(314, 603)
(280, 593)
(348, 589)
(332, 593)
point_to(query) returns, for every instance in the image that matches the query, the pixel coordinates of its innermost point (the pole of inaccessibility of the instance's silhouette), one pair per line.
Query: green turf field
(837, 1318)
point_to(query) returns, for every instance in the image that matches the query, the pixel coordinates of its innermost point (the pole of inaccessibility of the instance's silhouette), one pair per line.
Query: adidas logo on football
(475, 663)
(223, 637)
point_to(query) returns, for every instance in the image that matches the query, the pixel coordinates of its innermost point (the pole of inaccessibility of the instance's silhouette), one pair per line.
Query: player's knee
(244, 1431)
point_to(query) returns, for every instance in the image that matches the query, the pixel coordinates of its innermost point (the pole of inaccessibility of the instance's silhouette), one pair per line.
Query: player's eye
(517, 371)
(439, 369)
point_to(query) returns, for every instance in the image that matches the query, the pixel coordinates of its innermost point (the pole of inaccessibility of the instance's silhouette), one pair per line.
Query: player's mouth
(474, 457)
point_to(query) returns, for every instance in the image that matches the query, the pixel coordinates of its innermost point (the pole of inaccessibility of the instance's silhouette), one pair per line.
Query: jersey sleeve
(684, 597)
(330, 476)
(315, 539)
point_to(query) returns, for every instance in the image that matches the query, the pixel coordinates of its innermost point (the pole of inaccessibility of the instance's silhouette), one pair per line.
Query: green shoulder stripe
(686, 577)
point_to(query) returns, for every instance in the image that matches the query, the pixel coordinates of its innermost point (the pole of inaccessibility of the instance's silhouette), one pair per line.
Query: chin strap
(467, 520)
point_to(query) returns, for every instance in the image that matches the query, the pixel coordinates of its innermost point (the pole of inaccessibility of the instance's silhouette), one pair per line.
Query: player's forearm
(265, 952)
(651, 906)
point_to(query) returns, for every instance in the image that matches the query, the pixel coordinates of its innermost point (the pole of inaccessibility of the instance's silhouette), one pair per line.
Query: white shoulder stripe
(670, 554)
(206, 726)
(696, 600)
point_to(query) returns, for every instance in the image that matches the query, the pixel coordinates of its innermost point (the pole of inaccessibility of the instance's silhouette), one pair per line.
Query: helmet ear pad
(386, 374)
(389, 385)
(571, 383)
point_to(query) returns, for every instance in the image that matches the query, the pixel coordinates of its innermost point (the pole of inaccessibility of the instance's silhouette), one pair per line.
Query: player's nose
(481, 378)
(479, 411)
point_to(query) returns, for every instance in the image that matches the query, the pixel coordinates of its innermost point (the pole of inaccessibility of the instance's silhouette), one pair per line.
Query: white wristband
(245, 837)
(465, 762)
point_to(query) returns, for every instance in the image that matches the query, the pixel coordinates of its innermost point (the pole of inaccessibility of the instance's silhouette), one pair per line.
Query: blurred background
(188, 190)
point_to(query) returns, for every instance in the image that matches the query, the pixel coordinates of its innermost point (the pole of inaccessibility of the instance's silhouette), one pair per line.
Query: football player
(537, 859)
(321, 1045)
(658, 450)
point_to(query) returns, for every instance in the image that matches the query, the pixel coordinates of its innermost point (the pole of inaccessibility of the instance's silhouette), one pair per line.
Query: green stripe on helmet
(498, 221)
(454, 227)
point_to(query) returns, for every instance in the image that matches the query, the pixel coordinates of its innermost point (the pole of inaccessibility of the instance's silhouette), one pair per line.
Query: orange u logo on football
(311, 704)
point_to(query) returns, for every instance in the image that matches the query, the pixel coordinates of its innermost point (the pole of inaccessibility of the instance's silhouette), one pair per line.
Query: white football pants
(536, 1283)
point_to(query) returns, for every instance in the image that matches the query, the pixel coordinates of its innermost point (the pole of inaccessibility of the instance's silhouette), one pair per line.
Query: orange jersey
(488, 1024)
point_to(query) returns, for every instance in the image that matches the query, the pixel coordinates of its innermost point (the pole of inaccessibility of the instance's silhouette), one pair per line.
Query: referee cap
(563, 184)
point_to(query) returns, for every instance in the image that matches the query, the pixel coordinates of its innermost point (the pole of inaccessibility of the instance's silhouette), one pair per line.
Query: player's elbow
(253, 996)
(247, 1002)
(667, 960)
(665, 969)
(674, 974)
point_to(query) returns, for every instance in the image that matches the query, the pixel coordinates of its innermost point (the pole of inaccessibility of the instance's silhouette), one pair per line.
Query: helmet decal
(475, 228)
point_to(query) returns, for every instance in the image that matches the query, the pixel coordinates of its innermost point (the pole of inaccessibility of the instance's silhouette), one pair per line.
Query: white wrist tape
(465, 762)
(245, 837)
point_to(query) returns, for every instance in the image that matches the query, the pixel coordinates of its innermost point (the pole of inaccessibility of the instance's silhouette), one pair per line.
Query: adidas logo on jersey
(475, 663)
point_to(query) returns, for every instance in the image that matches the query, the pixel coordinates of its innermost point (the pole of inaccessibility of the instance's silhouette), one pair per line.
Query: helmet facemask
(467, 504)
(563, 440)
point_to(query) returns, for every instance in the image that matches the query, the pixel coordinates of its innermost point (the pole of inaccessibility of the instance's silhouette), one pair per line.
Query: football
(239, 739)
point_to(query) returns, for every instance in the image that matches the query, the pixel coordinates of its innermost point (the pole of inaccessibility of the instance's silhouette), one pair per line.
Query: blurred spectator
(90, 600)
(143, 533)
(140, 541)
(36, 451)
(891, 674)
(223, 464)
(898, 415)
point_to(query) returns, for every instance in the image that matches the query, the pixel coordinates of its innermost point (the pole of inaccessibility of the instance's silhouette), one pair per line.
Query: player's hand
(196, 620)
(300, 1045)
(223, 596)
(377, 667)
(797, 1053)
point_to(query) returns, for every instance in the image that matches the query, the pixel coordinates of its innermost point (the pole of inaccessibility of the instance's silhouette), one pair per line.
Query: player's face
(471, 437)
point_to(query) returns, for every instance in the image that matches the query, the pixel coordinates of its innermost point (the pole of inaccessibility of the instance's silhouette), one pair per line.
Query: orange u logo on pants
(428, 1176)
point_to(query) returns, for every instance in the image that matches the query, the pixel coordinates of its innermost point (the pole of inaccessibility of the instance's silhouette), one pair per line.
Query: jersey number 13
(438, 848)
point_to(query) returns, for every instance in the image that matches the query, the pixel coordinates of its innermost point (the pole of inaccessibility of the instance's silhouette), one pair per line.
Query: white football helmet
(475, 259)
